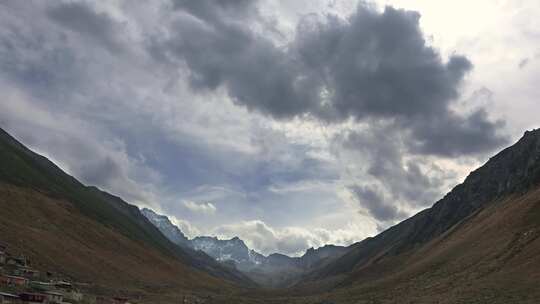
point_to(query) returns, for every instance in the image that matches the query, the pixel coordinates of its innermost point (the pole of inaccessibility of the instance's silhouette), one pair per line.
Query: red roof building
(13, 280)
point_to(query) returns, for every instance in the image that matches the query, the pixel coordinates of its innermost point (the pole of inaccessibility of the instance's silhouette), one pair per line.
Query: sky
(291, 124)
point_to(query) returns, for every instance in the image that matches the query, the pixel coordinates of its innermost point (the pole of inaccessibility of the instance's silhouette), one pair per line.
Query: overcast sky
(290, 124)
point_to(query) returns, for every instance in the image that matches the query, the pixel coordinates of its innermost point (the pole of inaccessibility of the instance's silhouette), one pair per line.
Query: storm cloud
(370, 199)
(370, 65)
(84, 20)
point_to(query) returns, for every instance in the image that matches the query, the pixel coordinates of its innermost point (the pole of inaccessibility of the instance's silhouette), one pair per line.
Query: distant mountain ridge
(256, 265)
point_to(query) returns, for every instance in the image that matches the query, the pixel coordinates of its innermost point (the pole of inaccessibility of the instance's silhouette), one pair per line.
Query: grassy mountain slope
(57, 237)
(30, 185)
(490, 257)
(479, 244)
(514, 170)
(424, 243)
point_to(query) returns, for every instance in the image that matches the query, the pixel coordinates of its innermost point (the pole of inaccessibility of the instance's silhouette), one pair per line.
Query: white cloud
(292, 240)
(186, 227)
(205, 208)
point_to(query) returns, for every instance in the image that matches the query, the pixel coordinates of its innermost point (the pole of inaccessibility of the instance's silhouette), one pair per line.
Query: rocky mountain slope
(481, 240)
(171, 231)
(234, 250)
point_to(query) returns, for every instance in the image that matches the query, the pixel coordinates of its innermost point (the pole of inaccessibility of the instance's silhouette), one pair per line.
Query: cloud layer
(289, 240)
(207, 208)
(371, 65)
(237, 119)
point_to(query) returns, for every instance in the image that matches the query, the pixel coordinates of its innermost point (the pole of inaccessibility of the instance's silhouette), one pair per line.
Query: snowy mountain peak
(236, 251)
(162, 222)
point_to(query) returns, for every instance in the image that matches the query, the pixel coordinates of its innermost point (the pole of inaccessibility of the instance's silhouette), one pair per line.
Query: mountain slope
(507, 184)
(33, 186)
(171, 231)
(490, 257)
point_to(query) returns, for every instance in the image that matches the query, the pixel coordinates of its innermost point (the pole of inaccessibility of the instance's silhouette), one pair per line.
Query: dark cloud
(221, 51)
(84, 20)
(372, 201)
(402, 179)
(101, 171)
(454, 135)
(379, 65)
(371, 65)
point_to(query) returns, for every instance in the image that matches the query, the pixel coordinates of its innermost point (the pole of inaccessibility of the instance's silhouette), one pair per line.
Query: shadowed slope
(490, 257)
(24, 173)
(513, 171)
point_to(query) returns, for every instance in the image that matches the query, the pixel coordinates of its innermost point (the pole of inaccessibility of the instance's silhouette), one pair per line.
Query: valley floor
(491, 257)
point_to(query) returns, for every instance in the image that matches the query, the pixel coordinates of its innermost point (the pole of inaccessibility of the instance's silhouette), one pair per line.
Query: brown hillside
(491, 257)
(58, 238)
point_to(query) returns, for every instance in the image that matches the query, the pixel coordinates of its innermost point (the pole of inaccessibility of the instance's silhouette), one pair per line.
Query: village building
(63, 285)
(2, 257)
(27, 272)
(7, 298)
(28, 297)
(42, 286)
(9, 280)
(54, 297)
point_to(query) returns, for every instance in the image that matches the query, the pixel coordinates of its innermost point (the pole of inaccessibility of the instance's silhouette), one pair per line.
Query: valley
(478, 244)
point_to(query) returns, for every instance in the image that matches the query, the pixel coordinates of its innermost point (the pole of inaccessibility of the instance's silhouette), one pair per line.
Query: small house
(28, 272)
(13, 280)
(7, 298)
(54, 297)
(28, 297)
(63, 285)
(41, 286)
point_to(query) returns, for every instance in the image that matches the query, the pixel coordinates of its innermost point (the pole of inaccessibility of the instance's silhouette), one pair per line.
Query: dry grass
(58, 238)
(492, 257)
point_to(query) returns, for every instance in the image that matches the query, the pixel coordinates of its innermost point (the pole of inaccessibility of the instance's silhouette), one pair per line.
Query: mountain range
(275, 270)
(480, 243)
